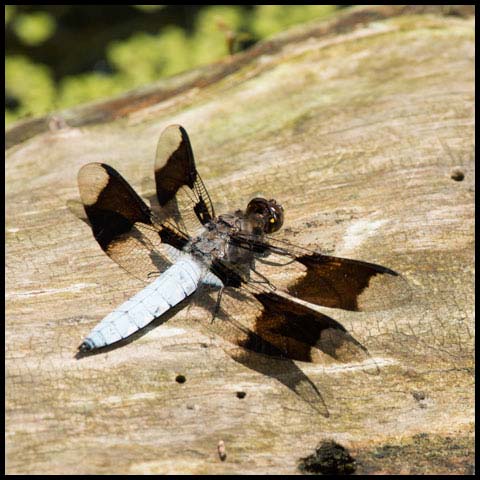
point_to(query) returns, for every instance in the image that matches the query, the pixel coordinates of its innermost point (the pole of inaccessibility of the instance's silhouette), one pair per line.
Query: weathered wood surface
(356, 126)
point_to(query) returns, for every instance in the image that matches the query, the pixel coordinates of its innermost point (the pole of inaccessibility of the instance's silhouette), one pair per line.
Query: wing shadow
(266, 352)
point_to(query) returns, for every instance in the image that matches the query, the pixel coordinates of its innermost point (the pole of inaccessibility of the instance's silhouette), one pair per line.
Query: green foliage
(271, 19)
(145, 58)
(34, 28)
(149, 8)
(210, 40)
(78, 89)
(215, 31)
(9, 13)
(32, 83)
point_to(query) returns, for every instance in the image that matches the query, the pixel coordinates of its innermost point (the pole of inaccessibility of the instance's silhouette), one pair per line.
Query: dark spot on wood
(457, 175)
(329, 458)
(241, 395)
(180, 379)
(418, 395)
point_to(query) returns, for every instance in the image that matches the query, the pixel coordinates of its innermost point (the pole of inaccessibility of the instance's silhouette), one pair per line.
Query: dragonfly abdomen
(176, 283)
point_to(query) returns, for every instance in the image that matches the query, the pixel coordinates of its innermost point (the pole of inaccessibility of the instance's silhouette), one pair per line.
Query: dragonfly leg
(217, 304)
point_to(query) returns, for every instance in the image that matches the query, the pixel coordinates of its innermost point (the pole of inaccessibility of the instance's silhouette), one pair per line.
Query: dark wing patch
(180, 190)
(111, 205)
(344, 283)
(326, 280)
(123, 225)
(297, 330)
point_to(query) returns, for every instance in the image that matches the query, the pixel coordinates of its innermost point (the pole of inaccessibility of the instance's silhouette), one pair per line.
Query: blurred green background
(58, 56)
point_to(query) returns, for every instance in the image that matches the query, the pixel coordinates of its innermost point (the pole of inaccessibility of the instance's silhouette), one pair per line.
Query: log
(362, 126)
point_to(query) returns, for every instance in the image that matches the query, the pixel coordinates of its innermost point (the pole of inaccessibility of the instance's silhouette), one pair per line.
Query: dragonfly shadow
(271, 348)
(284, 371)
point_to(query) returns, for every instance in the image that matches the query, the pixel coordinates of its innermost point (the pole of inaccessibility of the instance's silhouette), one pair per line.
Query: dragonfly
(262, 290)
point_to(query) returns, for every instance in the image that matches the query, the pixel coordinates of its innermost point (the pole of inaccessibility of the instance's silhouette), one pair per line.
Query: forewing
(348, 284)
(326, 280)
(180, 190)
(123, 225)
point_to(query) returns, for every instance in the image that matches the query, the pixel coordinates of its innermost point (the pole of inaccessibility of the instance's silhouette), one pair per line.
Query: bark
(363, 128)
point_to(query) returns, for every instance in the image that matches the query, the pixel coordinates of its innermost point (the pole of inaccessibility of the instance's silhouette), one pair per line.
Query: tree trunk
(363, 128)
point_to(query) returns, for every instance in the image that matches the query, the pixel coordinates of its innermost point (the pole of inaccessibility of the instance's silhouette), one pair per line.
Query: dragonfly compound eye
(269, 210)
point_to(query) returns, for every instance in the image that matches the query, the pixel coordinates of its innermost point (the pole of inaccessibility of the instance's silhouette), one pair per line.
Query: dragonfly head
(269, 211)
